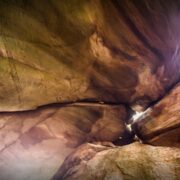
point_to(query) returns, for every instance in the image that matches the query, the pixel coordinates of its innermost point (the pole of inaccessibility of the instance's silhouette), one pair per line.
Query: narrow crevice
(131, 135)
(139, 116)
(83, 102)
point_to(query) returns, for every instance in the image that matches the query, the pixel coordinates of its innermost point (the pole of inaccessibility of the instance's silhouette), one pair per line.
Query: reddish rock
(110, 54)
(41, 139)
(161, 123)
(67, 51)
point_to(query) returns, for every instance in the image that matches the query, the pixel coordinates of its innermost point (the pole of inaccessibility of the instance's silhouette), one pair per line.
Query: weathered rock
(62, 51)
(132, 162)
(41, 139)
(112, 52)
(160, 125)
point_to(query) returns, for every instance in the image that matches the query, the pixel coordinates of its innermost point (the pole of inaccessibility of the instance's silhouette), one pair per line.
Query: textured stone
(62, 51)
(132, 162)
(34, 143)
(104, 53)
(160, 124)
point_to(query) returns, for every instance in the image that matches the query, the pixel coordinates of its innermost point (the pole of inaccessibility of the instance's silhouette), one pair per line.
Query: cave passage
(89, 90)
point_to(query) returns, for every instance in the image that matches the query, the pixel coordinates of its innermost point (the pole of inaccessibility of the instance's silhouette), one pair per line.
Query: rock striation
(160, 124)
(62, 51)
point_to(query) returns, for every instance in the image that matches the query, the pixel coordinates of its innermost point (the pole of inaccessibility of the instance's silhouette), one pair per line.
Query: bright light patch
(140, 115)
(137, 115)
(129, 128)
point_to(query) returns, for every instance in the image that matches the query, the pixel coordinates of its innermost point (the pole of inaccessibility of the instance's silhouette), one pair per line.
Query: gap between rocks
(132, 116)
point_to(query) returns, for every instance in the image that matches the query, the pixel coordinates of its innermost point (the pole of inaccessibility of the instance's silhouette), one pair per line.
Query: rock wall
(94, 64)
(111, 51)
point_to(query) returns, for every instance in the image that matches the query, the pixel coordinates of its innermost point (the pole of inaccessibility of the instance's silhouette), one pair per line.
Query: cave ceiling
(104, 51)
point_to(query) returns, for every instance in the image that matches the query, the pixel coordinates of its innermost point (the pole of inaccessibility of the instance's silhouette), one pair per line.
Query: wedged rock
(160, 124)
(132, 162)
(34, 143)
(64, 51)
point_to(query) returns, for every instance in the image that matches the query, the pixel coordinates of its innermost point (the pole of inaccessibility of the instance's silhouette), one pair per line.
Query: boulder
(132, 162)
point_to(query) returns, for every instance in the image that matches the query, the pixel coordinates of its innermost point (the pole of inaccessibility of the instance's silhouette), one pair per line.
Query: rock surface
(95, 57)
(62, 51)
(160, 125)
(41, 139)
(131, 162)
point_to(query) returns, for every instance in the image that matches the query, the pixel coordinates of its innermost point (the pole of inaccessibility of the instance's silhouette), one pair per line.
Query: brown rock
(62, 51)
(34, 143)
(135, 161)
(99, 52)
(160, 125)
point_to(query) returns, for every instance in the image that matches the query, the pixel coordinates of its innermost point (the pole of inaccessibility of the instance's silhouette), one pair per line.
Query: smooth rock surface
(34, 143)
(63, 51)
(160, 124)
(132, 162)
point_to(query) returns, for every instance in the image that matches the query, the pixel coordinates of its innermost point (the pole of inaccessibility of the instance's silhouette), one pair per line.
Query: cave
(89, 90)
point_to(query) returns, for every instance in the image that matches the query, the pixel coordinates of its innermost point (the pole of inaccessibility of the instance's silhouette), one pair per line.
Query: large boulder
(131, 162)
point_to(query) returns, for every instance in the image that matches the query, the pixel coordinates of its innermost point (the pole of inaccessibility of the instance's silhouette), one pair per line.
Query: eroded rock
(160, 125)
(34, 143)
(112, 52)
(62, 51)
(135, 161)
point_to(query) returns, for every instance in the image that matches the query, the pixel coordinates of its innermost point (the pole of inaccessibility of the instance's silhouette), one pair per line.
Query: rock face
(101, 61)
(160, 125)
(62, 51)
(41, 139)
(135, 161)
